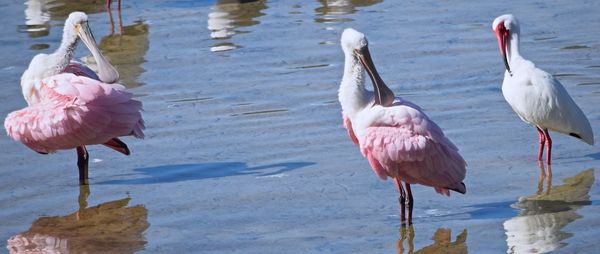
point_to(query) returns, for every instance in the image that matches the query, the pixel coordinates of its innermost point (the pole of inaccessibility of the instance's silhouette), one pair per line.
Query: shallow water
(245, 150)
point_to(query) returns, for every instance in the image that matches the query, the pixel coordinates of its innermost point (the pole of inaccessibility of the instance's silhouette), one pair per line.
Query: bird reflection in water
(537, 228)
(111, 227)
(125, 50)
(229, 15)
(442, 242)
(331, 10)
(112, 21)
(39, 13)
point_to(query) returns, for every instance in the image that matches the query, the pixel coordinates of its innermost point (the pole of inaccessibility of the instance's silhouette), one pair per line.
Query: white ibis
(535, 95)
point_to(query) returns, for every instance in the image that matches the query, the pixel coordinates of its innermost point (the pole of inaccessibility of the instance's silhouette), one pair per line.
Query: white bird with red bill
(535, 95)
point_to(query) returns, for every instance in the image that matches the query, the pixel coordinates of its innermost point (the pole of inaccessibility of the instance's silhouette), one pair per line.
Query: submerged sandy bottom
(245, 150)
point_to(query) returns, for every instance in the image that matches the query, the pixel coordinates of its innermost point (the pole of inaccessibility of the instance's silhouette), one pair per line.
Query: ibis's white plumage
(539, 99)
(535, 95)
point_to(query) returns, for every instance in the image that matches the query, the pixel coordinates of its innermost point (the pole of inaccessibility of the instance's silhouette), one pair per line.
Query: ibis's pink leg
(410, 203)
(548, 146)
(402, 200)
(82, 163)
(119, 5)
(542, 139)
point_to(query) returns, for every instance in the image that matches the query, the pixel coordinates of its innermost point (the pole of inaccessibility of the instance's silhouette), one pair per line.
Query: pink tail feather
(118, 145)
(459, 187)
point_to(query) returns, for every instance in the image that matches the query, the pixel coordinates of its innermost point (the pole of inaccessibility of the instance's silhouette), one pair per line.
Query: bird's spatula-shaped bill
(106, 72)
(383, 95)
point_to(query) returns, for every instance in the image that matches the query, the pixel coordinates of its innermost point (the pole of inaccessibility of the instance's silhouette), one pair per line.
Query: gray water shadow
(191, 172)
(507, 209)
(595, 156)
(495, 210)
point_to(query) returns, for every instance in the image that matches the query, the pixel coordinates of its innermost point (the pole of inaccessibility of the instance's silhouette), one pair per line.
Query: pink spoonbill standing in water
(535, 95)
(395, 135)
(69, 106)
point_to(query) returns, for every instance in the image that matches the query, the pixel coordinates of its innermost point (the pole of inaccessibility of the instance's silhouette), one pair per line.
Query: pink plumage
(348, 126)
(397, 138)
(70, 106)
(75, 111)
(404, 143)
(80, 69)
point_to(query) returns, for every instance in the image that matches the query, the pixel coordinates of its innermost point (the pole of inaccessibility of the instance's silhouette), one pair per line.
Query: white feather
(536, 96)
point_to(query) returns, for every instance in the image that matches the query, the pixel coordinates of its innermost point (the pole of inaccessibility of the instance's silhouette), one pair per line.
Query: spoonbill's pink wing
(75, 111)
(403, 142)
(348, 126)
(80, 69)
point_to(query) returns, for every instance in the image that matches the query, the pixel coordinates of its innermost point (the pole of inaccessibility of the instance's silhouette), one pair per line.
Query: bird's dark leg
(548, 146)
(107, 5)
(402, 201)
(410, 203)
(119, 5)
(542, 139)
(82, 162)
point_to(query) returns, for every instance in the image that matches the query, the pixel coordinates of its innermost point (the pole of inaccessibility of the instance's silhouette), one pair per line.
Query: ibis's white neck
(352, 93)
(512, 49)
(43, 66)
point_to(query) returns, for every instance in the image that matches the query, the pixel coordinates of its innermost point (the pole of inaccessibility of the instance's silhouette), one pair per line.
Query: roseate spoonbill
(71, 110)
(395, 135)
(535, 95)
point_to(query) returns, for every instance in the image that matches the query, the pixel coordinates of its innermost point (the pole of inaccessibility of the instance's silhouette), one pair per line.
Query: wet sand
(245, 149)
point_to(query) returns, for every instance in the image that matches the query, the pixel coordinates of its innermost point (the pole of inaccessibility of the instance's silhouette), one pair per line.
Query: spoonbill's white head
(504, 27)
(353, 40)
(76, 17)
(76, 25)
(355, 44)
